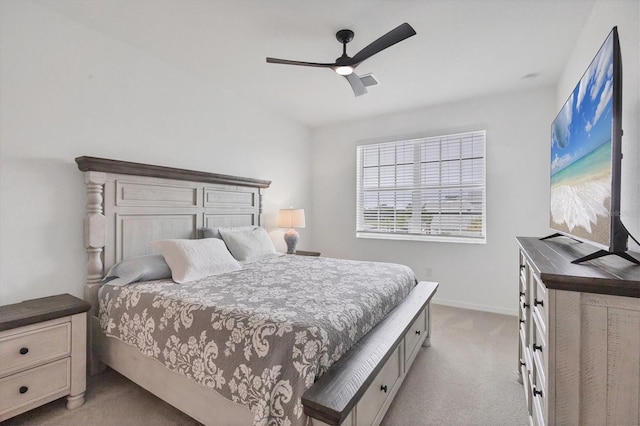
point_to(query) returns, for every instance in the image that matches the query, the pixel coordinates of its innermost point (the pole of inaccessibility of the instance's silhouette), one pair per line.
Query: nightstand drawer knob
(536, 392)
(24, 351)
(538, 302)
(537, 347)
(23, 389)
(418, 332)
(383, 388)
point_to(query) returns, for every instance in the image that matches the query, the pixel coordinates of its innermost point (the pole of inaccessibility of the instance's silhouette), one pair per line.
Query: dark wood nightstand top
(39, 310)
(307, 253)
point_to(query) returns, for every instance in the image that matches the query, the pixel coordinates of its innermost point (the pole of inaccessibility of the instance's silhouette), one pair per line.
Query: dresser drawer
(379, 391)
(33, 345)
(526, 381)
(49, 381)
(538, 415)
(539, 351)
(413, 337)
(540, 305)
(525, 353)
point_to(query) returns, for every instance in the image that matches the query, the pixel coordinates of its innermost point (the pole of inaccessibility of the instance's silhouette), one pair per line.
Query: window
(429, 189)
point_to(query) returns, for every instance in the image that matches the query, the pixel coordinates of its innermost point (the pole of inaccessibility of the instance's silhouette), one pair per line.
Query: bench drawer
(413, 337)
(382, 387)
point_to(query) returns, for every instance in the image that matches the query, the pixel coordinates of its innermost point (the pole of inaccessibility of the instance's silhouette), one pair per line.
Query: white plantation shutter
(423, 189)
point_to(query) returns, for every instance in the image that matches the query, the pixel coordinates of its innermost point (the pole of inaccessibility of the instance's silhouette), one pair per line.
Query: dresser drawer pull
(537, 302)
(24, 351)
(383, 388)
(521, 266)
(536, 391)
(522, 293)
(521, 321)
(537, 347)
(23, 389)
(522, 364)
(418, 332)
(525, 305)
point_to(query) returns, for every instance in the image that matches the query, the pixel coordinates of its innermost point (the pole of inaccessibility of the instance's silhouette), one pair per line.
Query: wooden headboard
(130, 205)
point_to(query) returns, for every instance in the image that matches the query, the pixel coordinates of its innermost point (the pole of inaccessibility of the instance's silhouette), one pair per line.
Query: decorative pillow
(248, 244)
(191, 260)
(215, 232)
(140, 268)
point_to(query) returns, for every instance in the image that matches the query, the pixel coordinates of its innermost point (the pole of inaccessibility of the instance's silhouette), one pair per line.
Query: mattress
(262, 335)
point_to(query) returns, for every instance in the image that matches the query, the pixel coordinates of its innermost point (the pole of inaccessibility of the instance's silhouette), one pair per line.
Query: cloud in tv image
(581, 154)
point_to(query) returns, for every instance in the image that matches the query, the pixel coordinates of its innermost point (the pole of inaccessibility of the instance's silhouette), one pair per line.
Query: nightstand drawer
(46, 382)
(33, 345)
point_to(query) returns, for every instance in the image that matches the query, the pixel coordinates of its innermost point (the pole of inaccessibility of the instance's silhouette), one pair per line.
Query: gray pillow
(215, 232)
(210, 233)
(140, 268)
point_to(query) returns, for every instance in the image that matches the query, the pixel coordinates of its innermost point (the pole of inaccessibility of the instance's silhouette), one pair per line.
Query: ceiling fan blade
(305, 64)
(394, 36)
(356, 84)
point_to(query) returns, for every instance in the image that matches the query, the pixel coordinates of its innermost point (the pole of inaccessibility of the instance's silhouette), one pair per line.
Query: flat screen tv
(586, 157)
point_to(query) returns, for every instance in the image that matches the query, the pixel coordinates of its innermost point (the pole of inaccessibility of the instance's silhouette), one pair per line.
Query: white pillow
(191, 260)
(248, 244)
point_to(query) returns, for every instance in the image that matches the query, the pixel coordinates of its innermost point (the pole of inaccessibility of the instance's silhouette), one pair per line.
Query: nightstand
(43, 348)
(307, 253)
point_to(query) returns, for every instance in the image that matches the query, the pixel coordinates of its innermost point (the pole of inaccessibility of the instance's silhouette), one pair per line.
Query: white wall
(67, 91)
(625, 14)
(475, 276)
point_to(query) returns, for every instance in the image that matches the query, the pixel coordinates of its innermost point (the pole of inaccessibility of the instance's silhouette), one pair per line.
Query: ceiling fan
(346, 65)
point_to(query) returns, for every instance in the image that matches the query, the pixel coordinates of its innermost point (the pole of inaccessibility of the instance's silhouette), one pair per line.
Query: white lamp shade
(291, 218)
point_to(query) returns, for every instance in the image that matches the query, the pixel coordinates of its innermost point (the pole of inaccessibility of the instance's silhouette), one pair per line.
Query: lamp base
(291, 238)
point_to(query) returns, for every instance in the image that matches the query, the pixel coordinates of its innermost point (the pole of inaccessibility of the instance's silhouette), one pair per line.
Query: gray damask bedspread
(262, 335)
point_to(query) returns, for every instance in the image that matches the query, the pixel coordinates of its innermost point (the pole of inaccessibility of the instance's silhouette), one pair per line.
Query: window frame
(415, 222)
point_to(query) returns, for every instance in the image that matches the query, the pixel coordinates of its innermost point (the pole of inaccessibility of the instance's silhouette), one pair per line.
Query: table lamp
(291, 218)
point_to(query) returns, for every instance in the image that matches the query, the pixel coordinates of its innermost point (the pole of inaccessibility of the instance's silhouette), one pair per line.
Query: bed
(320, 379)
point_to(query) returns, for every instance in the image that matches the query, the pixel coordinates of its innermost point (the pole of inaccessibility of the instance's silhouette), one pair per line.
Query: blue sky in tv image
(585, 121)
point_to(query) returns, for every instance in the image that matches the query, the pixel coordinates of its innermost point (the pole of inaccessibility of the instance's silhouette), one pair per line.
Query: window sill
(425, 238)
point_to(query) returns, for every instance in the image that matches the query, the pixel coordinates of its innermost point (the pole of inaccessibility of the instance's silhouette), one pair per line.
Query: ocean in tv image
(581, 154)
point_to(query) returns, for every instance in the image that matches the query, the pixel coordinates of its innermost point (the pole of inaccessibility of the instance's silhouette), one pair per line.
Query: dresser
(579, 335)
(43, 353)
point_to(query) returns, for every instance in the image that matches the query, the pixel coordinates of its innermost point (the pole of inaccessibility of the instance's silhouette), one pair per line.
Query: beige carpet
(466, 377)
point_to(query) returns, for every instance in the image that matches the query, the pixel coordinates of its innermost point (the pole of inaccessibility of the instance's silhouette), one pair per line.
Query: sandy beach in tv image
(581, 154)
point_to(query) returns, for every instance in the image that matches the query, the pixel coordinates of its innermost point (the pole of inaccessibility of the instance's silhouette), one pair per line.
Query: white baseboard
(475, 307)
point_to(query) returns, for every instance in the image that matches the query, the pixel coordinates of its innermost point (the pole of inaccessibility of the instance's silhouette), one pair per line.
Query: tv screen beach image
(581, 154)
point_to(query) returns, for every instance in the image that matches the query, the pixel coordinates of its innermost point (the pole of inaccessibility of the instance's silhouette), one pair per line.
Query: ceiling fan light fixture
(346, 65)
(344, 70)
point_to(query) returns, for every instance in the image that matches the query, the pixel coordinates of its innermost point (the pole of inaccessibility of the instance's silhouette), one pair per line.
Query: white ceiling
(463, 48)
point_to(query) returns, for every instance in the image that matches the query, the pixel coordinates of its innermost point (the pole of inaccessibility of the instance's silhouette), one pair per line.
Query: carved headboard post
(94, 242)
(94, 234)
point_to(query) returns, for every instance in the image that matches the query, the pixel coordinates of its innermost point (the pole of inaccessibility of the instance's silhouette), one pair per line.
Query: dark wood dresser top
(39, 310)
(552, 258)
